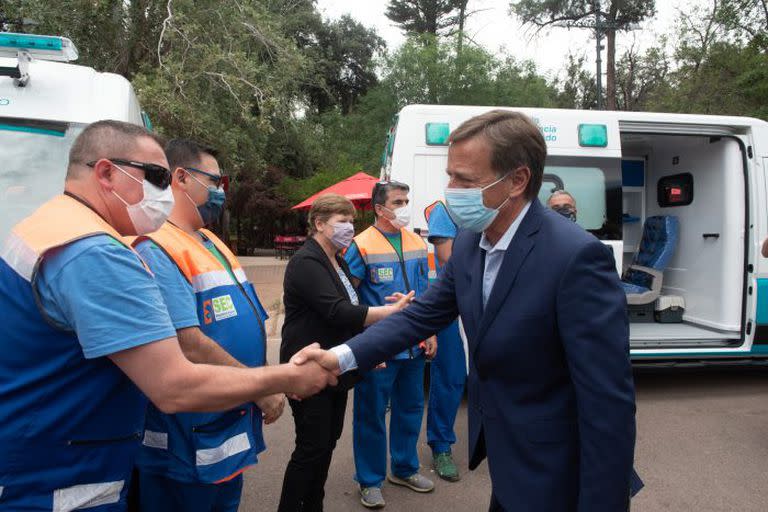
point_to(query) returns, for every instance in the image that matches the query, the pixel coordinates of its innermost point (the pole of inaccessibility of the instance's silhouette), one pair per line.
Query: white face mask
(153, 210)
(402, 217)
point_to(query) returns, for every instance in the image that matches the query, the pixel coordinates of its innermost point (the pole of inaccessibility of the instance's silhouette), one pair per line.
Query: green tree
(343, 55)
(746, 19)
(434, 72)
(641, 77)
(717, 69)
(435, 17)
(617, 16)
(577, 89)
(112, 35)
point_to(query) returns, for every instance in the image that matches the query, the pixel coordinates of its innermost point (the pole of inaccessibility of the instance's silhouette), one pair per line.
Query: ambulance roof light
(54, 48)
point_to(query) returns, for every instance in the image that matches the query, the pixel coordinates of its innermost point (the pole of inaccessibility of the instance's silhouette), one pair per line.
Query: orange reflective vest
(387, 272)
(210, 447)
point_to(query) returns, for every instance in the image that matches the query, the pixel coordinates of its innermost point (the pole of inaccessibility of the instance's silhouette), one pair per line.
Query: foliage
(296, 102)
(428, 70)
(615, 15)
(434, 17)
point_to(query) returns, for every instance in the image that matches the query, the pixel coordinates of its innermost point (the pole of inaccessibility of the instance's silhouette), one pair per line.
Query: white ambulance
(44, 103)
(680, 199)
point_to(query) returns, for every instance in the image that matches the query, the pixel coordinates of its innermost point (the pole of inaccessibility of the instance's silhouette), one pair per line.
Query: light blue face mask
(467, 208)
(211, 209)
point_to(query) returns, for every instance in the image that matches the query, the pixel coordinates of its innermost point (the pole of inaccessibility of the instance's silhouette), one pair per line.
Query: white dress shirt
(494, 256)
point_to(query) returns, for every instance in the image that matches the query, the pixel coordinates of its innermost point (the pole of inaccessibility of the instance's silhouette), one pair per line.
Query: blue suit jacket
(551, 395)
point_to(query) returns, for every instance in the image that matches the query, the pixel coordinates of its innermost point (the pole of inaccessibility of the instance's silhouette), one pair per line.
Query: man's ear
(520, 179)
(180, 175)
(104, 172)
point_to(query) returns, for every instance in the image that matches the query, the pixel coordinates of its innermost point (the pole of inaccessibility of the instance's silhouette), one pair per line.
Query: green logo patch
(223, 308)
(385, 275)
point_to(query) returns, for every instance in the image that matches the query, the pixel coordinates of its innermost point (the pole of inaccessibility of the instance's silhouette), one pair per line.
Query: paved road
(702, 446)
(702, 442)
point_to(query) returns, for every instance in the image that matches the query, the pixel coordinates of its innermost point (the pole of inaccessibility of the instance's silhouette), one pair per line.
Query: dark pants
(161, 494)
(319, 421)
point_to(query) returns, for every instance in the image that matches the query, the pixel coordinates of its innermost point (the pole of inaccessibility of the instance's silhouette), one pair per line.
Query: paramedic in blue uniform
(86, 334)
(448, 370)
(386, 259)
(194, 269)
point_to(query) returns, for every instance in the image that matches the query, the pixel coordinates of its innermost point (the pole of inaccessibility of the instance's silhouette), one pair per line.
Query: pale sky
(497, 31)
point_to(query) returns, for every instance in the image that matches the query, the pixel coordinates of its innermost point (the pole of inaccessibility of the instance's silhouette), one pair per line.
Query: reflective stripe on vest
(210, 447)
(71, 426)
(60, 221)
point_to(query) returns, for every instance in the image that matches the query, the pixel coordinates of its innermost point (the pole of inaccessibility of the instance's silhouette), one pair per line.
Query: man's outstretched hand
(313, 352)
(310, 378)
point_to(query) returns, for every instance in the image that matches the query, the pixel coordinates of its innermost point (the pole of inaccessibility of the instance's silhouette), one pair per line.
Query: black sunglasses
(157, 175)
(218, 180)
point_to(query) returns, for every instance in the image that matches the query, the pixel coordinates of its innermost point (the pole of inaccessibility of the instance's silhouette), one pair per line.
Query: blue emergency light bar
(39, 47)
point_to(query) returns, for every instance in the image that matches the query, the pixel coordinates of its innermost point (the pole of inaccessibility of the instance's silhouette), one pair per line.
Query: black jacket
(317, 307)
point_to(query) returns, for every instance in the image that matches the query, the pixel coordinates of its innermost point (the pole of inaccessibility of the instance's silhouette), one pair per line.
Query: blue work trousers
(400, 384)
(161, 494)
(447, 378)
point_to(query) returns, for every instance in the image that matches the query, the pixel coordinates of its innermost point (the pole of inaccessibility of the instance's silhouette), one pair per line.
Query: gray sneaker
(371, 497)
(415, 482)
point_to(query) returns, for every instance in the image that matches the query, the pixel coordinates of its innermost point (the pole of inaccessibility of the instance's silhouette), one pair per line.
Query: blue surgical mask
(211, 209)
(467, 209)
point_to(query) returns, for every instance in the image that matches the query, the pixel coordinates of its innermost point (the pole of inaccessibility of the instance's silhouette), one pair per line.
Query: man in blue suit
(551, 396)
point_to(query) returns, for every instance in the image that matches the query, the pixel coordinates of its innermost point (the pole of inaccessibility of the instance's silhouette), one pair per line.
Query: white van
(692, 187)
(44, 104)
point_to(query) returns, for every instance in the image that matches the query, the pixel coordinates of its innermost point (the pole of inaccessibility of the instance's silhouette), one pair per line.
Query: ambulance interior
(674, 207)
(696, 185)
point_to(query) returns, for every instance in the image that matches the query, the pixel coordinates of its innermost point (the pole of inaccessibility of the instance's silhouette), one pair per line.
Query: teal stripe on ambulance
(762, 302)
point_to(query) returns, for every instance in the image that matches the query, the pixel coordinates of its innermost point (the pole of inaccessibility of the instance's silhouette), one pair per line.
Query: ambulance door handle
(711, 235)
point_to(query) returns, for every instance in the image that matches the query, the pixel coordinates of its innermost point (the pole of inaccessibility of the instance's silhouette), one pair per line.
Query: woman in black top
(321, 306)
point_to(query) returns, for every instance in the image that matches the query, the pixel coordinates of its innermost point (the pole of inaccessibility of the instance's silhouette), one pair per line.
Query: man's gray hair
(105, 139)
(561, 193)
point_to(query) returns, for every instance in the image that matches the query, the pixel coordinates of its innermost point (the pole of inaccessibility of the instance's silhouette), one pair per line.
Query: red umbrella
(356, 188)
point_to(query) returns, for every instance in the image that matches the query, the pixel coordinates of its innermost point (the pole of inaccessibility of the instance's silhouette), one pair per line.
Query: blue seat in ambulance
(643, 279)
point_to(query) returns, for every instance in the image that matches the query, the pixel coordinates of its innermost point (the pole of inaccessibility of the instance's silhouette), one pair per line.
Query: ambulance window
(586, 185)
(33, 163)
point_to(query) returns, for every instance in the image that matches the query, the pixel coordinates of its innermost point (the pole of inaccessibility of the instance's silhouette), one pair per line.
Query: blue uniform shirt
(440, 225)
(118, 305)
(356, 263)
(177, 292)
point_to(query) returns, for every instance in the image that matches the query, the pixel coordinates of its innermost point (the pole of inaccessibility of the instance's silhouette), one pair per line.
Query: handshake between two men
(320, 368)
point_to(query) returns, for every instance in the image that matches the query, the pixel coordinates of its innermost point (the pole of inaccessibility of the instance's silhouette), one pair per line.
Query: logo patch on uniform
(223, 308)
(382, 275)
(207, 313)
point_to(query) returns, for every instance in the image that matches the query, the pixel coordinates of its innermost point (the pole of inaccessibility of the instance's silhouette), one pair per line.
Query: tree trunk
(462, 19)
(610, 70)
(610, 57)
